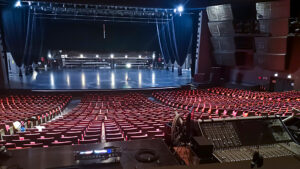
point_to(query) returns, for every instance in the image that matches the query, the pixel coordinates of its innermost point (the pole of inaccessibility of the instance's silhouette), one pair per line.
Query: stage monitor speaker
(271, 45)
(269, 61)
(219, 12)
(273, 9)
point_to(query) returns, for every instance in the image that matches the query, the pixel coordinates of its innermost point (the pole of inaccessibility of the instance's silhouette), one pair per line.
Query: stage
(103, 79)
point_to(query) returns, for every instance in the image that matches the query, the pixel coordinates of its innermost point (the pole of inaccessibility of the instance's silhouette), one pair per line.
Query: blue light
(18, 4)
(180, 8)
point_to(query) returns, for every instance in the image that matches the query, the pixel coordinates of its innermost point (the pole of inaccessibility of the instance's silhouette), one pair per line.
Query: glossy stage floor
(106, 79)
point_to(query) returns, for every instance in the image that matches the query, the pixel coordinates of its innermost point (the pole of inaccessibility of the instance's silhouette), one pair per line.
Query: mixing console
(236, 139)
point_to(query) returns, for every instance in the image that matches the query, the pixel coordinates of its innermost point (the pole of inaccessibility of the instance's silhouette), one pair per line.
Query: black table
(63, 156)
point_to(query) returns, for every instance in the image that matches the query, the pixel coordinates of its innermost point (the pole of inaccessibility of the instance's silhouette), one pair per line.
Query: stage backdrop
(29, 37)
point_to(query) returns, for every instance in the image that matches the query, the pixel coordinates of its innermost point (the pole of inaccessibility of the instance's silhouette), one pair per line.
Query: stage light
(289, 76)
(97, 56)
(81, 55)
(126, 56)
(68, 80)
(83, 80)
(112, 56)
(180, 8)
(18, 4)
(140, 56)
(128, 65)
(153, 56)
(49, 55)
(276, 74)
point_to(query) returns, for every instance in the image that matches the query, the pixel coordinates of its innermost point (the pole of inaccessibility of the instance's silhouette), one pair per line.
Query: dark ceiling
(149, 3)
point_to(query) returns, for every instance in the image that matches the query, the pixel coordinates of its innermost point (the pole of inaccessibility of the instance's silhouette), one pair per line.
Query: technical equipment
(96, 156)
(240, 139)
(202, 147)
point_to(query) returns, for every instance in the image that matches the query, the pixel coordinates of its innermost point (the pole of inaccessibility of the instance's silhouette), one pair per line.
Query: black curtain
(23, 35)
(162, 42)
(15, 27)
(176, 38)
(182, 30)
(36, 41)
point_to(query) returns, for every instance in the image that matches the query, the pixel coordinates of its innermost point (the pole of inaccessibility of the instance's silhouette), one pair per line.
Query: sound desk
(237, 139)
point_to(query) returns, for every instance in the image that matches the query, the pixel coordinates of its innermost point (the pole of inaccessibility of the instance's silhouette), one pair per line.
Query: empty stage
(76, 79)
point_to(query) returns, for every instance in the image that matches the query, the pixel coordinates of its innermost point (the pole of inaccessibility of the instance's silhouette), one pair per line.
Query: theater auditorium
(144, 84)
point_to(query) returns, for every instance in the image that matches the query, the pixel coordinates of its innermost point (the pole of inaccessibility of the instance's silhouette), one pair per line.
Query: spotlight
(128, 65)
(81, 55)
(126, 56)
(276, 74)
(289, 76)
(153, 56)
(49, 55)
(140, 56)
(97, 56)
(180, 8)
(18, 4)
(112, 56)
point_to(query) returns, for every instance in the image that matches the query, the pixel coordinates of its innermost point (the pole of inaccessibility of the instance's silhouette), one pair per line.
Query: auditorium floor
(76, 79)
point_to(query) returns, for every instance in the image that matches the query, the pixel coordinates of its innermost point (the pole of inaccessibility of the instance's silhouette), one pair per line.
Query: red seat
(88, 137)
(9, 138)
(73, 139)
(45, 141)
(112, 131)
(113, 135)
(125, 130)
(32, 137)
(61, 143)
(74, 133)
(19, 143)
(129, 134)
(33, 145)
(153, 133)
(23, 133)
(93, 129)
(89, 141)
(89, 132)
(10, 145)
(56, 135)
(115, 139)
(145, 136)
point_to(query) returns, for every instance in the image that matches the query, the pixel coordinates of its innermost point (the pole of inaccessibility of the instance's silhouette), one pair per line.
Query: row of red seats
(23, 107)
(101, 118)
(289, 95)
(209, 104)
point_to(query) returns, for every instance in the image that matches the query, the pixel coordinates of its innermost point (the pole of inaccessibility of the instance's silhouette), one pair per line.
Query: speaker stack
(232, 38)
(273, 18)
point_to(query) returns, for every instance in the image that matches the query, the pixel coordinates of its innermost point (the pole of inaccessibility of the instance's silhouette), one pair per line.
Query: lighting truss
(54, 10)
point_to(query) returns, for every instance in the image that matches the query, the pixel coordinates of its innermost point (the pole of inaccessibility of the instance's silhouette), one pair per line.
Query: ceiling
(148, 3)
